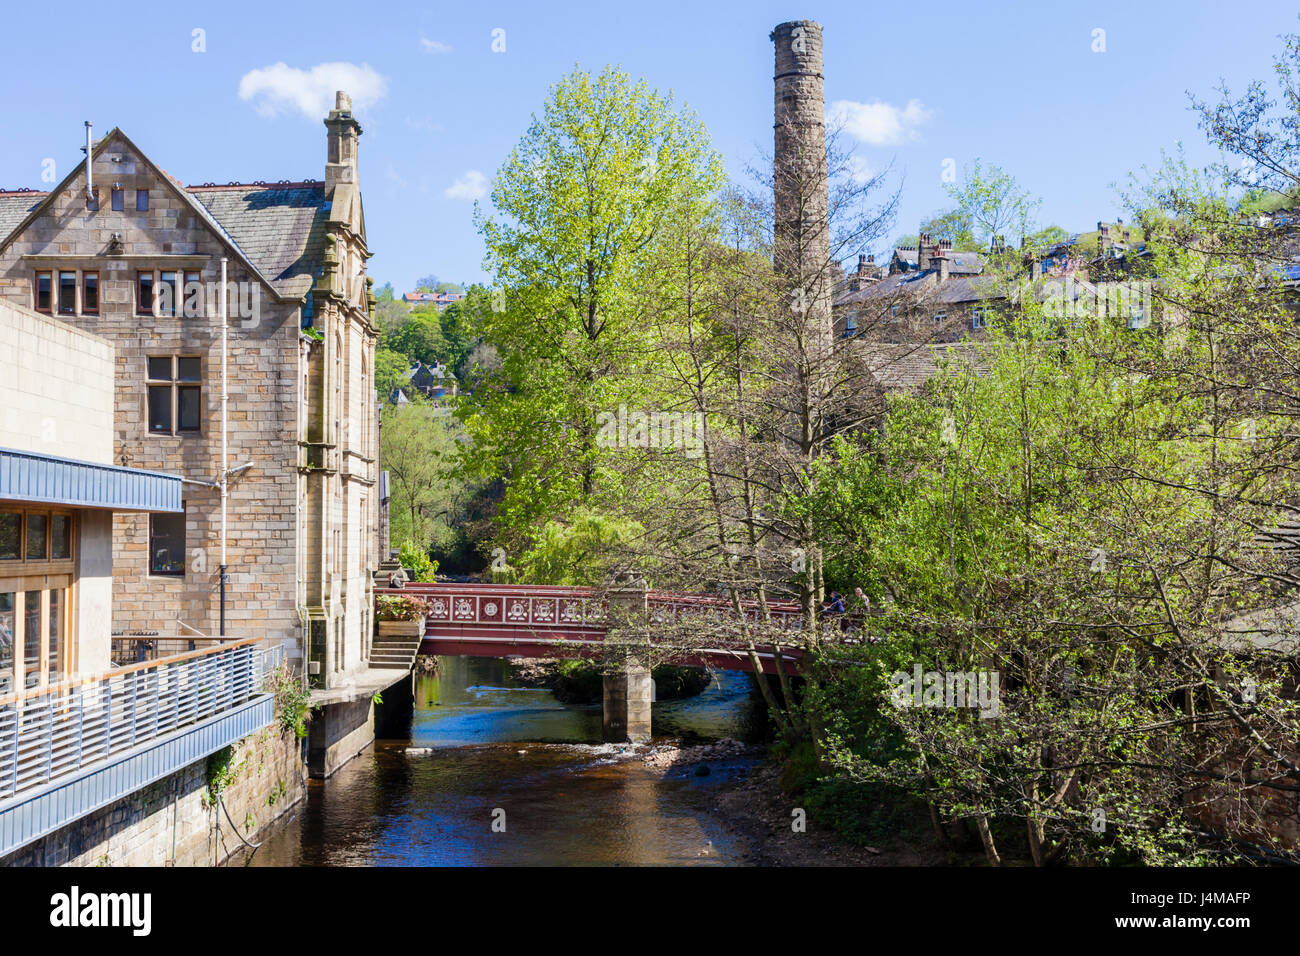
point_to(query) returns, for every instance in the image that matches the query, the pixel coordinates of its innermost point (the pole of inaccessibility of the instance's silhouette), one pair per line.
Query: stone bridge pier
(629, 689)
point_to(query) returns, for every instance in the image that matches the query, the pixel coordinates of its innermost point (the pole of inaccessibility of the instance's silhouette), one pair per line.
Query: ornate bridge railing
(516, 619)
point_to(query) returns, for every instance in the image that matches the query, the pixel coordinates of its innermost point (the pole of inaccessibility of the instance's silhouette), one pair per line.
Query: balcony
(81, 745)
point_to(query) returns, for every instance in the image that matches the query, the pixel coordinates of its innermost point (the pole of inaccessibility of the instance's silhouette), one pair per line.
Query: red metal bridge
(518, 620)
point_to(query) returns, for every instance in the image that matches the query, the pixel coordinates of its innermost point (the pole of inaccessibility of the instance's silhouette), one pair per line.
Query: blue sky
(1016, 84)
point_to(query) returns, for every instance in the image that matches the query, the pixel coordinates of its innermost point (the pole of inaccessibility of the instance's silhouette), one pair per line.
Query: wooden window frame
(36, 291)
(188, 276)
(76, 282)
(84, 276)
(153, 298)
(178, 293)
(23, 566)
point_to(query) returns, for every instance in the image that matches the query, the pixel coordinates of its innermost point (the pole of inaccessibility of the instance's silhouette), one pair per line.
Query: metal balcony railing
(58, 731)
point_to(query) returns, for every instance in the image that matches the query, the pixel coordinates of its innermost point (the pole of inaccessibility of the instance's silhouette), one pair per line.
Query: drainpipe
(225, 476)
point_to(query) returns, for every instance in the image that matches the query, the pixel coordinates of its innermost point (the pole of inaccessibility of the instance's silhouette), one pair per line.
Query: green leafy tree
(420, 338)
(581, 204)
(390, 371)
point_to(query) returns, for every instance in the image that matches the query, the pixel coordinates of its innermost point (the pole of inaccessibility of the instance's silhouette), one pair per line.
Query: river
(498, 774)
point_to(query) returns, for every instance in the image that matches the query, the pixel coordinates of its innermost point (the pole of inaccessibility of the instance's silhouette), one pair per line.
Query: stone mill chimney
(802, 240)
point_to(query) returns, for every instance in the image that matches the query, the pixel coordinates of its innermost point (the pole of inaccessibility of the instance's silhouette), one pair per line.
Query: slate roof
(908, 367)
(14, 208)
(279, 227)
(955, 290)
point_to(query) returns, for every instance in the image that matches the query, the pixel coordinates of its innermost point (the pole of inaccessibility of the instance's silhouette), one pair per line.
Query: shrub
(395, 607)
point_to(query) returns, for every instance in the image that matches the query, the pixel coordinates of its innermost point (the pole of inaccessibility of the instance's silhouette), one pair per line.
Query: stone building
(133, 256)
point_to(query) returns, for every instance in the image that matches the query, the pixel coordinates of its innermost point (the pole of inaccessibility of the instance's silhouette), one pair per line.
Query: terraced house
(129, 254)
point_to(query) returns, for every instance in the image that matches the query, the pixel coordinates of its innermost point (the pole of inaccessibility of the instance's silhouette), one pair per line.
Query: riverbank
(752, 805)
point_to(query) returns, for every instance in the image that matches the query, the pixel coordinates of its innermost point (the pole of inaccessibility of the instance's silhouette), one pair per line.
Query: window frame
(36, 291)
(175, 386)
(58, 300)
(151, 552)
(85, 275)
(140, 276)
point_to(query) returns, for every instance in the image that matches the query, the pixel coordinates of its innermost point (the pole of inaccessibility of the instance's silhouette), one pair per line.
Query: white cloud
(878, 123)
(282, 88)
(471, 186)
(857, 169)
(433, 46)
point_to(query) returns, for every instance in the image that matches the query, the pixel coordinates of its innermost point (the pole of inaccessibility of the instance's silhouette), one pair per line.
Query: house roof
(953, 291)
(14, 207)
(280, 227)
(278, 230)
(907, 367)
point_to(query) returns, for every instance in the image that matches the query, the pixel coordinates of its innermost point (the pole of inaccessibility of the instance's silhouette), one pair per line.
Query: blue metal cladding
(30, 816)
(27, 476)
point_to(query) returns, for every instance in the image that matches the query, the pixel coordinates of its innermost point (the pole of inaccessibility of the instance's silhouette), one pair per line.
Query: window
(193, 294)
(67, 293)
(60, 536)
(142, 200)
(8, 627)
(56, 632)
(117, 195)
(978, 317)
(32, 639)
(851, 324)
(144, 293)
(169, 292)
(174, 394)
(92, 201)
(893, 313)
(37, 537)
(90, 293)
(42, 290)
(11, 535)
(167, 544)
(940, 317)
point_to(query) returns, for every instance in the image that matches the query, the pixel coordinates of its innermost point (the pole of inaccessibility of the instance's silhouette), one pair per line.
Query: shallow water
(495, 773)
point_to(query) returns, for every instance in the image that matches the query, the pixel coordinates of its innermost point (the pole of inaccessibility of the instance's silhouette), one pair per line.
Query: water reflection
(494, 746)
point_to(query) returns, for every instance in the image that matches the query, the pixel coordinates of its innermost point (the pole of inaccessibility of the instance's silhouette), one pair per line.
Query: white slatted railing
(56, 732)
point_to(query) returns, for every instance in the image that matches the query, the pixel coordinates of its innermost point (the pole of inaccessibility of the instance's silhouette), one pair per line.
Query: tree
(993, 204)
(428, 283)
(385, 293)
(582, 203)
(419, 446)
(420, 338)
(390, 371)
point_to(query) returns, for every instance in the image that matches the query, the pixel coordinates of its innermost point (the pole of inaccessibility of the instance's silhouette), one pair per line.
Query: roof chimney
(922, 251)
(939, 261)
(344, 130)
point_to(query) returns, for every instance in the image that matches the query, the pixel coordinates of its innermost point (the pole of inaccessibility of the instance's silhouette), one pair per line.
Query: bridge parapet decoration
(516, 620)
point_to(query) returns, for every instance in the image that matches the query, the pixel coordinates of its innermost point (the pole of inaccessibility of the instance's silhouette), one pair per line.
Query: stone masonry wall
(263, 407)
(173, 821)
